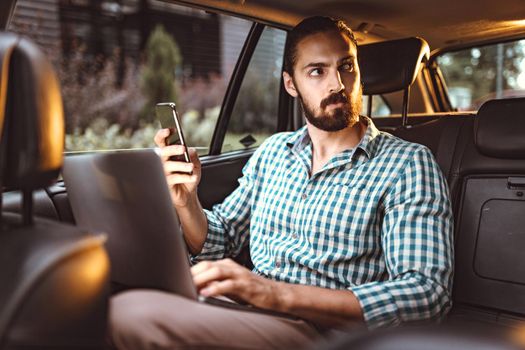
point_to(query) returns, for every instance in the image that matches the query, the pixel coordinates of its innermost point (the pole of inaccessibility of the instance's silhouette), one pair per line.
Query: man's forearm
(194, 224)
(322, 306)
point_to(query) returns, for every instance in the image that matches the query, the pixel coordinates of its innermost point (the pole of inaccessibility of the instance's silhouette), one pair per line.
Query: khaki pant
(144, 319)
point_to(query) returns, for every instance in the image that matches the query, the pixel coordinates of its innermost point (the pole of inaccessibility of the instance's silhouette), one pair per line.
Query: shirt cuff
(214, 245)
(378, 305)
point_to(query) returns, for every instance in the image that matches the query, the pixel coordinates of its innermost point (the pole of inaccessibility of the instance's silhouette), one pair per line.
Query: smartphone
(169, 119)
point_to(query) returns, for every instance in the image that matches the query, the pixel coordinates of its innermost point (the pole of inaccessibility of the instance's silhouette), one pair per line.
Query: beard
(339, 118)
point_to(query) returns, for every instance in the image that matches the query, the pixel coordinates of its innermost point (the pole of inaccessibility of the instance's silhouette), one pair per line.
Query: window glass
(379, 106)
(117, 58)
(478, 74)
(255, 113)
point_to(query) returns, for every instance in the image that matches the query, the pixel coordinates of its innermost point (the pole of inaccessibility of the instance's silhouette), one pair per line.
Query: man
(346, 224)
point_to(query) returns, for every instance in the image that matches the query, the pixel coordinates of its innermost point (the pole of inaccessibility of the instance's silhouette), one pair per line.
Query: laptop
(125, 195)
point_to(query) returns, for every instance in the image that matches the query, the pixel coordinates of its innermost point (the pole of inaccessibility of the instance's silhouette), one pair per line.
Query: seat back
(440, 136)
(54, 277)
(390, 66)
(489, 186)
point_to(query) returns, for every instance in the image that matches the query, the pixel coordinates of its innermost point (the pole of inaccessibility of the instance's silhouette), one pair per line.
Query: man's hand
(183, 187)
(320, 305)
(226, 277)
(183, 191)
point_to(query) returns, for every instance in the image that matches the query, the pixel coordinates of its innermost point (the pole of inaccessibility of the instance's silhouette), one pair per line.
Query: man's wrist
(191, 202)
(283, 293)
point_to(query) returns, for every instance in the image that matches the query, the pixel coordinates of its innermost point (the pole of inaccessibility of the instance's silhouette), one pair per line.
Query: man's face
(327, 80)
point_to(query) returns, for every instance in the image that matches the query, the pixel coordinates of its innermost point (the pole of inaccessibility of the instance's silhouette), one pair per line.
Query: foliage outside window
(115, 65)
(478, 74)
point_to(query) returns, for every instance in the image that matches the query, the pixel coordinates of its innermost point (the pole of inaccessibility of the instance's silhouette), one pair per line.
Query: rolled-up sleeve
(417, 233)
(229, 221)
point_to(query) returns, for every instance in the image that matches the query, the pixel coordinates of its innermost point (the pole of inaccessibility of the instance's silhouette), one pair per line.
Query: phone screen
(167, 115)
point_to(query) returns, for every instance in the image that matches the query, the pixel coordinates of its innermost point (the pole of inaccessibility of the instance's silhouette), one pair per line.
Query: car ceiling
(442, 23)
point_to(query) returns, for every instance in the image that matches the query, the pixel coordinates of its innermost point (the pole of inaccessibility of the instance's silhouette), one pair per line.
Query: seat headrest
(499, 128)
(32, 139)
(390, 66)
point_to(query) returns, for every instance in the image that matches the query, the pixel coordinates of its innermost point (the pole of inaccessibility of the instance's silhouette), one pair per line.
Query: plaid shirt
(375, 220)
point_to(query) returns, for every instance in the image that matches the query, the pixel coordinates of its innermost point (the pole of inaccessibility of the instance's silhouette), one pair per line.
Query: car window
(116, 60)
(379, 107)
(478, 74)
(255, 113)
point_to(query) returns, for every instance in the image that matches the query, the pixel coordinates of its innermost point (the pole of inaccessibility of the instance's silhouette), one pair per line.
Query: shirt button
(294, 235)
(277, 264)
(304, 196)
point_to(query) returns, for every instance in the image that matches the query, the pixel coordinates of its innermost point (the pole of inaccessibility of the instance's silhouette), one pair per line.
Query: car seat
(54, 276)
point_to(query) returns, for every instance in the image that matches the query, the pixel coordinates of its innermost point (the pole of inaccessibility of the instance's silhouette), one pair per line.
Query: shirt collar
(368, 143)
(298, 140)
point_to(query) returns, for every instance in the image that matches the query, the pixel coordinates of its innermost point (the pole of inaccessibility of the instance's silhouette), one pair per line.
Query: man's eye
(347, 67)
(316, 72)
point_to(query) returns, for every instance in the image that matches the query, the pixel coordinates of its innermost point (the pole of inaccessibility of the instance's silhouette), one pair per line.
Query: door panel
(220, 176)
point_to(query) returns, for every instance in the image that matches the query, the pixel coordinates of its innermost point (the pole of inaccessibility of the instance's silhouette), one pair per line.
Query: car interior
(56, 276)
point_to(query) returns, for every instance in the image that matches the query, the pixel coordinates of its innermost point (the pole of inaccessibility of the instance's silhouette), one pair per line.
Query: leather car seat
(53, 276)
(488, 188)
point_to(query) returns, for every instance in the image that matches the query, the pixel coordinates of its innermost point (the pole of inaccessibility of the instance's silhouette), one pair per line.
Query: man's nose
(335, 83)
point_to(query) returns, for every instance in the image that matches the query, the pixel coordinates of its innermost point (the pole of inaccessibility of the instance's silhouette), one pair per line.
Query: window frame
(285, 105)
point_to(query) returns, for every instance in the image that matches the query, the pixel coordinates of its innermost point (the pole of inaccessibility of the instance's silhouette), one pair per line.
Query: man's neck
(326, 144)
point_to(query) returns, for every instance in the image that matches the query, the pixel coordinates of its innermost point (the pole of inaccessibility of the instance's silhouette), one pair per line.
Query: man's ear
(289, 85)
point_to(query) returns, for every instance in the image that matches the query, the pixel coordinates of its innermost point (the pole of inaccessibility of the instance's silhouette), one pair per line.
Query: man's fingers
(215, 273)
(201, 266)
(225, 287)
(177, 167)
(194, 156)
(227, 262)
(179, 178)
(224, 277)
(173, 150)
(207, 271)
(210, 268)
(160, 137)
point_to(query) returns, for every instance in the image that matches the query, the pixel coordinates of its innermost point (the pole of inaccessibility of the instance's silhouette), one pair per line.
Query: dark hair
(307, 27)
